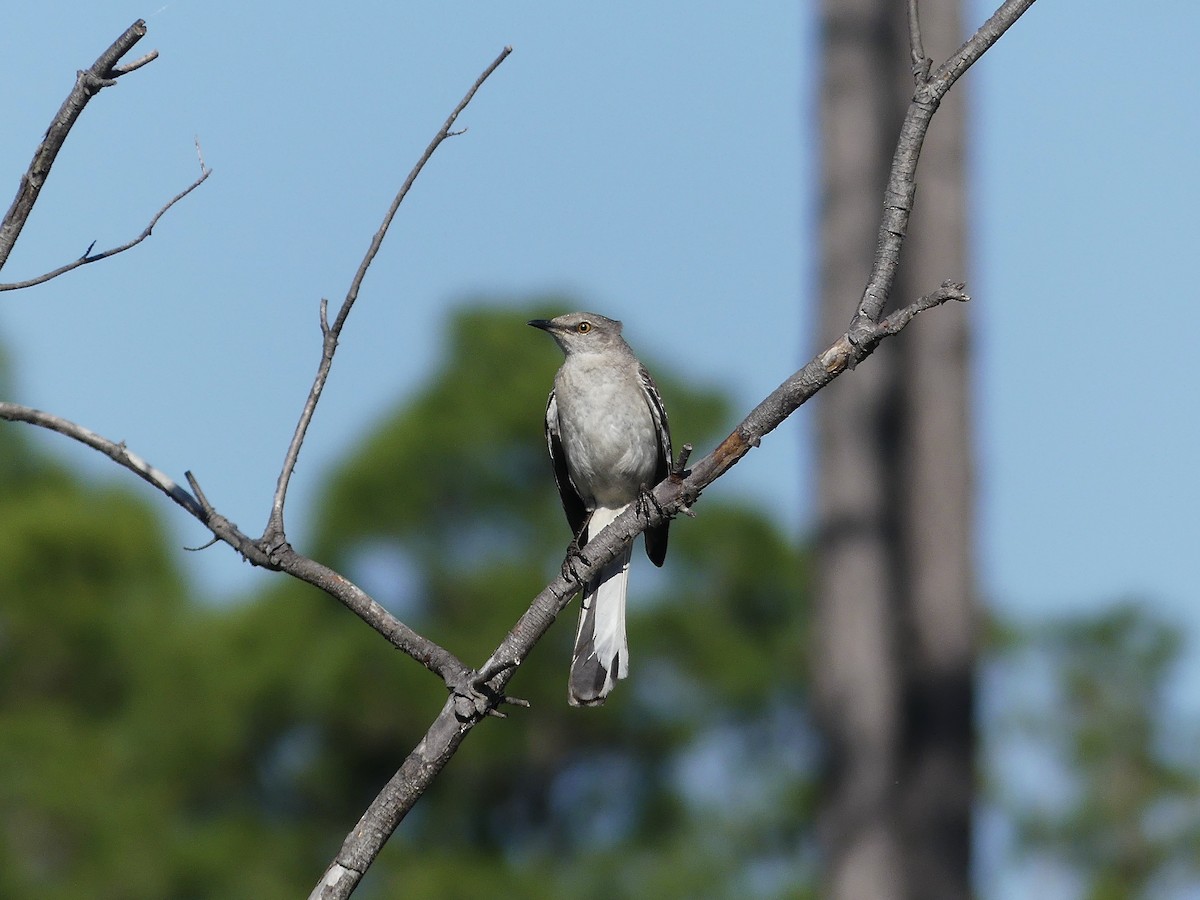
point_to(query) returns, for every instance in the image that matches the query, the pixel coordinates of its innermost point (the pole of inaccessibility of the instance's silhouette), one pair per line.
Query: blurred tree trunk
(895, 583)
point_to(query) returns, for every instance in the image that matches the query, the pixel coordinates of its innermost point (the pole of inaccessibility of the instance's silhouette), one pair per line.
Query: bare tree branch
(457, 676)
(118, 71)
(920, 62)
(89, 257)
(116, 451)
(101, 74)
(272, 550)
(902, 185)
(680, 490)
(330, 333)
(966, 55)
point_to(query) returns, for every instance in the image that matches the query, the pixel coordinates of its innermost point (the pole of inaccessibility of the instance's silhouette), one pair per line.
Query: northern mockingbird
(608, 439)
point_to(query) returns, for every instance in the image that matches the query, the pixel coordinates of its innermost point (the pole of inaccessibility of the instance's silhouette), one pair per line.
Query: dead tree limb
(103, 73)
(272, 550)
(332, 331)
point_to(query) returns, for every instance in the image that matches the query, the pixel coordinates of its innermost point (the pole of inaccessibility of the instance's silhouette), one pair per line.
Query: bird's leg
(575, 555)
(647, 501)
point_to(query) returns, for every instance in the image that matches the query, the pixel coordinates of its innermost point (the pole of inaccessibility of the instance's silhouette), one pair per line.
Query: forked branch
(271, 551)
(330, 332)
(89, 257)
(103, 73)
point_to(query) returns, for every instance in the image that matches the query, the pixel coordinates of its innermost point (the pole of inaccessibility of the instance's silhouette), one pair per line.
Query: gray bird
(608, 439)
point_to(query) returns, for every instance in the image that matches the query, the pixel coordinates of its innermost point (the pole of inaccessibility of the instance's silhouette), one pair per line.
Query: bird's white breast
(607, 432)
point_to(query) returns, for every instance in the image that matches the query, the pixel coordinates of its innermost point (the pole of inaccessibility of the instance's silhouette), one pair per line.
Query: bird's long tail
(601, 654)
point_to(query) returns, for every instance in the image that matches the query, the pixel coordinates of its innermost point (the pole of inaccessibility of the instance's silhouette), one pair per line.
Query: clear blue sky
(653, 160)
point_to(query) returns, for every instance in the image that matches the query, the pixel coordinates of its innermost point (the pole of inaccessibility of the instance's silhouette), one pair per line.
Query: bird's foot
(573, 558)
(475, 698)
(646, 501)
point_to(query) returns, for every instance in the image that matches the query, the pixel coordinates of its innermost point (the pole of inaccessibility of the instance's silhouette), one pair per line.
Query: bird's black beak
(543, 324)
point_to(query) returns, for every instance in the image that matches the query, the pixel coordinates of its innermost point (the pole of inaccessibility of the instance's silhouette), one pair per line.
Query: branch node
(677, 472)
(92, 83)
(921, 64)
(118, 71)
(331, 332)
(475, 699)
(199, 495)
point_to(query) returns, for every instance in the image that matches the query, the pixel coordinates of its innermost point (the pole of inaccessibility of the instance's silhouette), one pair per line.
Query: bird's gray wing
(656, 538)
(573, 504)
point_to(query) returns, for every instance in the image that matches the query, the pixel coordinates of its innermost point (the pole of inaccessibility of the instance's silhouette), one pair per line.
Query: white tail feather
(603, 611)
(609, 634)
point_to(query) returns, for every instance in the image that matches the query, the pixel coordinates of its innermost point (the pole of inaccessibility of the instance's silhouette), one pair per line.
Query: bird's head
(582, 332)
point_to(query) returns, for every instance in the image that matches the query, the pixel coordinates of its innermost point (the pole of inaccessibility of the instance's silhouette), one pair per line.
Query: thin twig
(901, 185)
(114, 450)
(331, 333)
(89, 257)
(968, 54)
(118, 71)
(949, 290)
(685, 452)
(920, 62)
(88, 82)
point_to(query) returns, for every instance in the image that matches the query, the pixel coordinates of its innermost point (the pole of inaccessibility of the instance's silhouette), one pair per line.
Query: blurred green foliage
(1111, 787)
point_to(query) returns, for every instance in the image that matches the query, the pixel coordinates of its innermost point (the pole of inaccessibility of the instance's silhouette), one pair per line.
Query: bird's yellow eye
(583, 327)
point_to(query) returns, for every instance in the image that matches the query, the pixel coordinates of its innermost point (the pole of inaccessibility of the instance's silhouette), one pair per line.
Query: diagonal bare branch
(331, 332)
(114, 450)
(88, 82)
(455, 674)
(902, 185)
(984, 37)
(90, 257)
